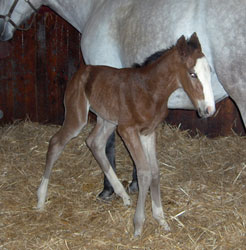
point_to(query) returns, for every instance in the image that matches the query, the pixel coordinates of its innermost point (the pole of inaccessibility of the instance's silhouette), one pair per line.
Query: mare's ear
(182, 47)
(194, 41)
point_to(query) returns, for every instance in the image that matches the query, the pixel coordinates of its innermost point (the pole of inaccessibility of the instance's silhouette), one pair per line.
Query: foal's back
(113, 92)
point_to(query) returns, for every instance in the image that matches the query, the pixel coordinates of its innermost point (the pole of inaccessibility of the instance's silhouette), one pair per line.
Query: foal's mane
(151, 59)
(155, 56)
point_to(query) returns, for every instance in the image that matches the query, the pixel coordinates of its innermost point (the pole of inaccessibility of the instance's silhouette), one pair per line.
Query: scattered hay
(202, 184)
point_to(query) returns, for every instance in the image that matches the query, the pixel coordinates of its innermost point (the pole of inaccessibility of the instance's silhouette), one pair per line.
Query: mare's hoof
(106, 194)
(1, 114)
(133, 187)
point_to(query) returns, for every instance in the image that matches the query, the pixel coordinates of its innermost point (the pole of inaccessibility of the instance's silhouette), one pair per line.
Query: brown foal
(135, 101)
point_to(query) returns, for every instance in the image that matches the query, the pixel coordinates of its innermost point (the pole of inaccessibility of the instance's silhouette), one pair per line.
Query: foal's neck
(163, 74)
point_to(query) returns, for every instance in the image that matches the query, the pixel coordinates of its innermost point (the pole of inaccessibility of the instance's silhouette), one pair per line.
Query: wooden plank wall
(35, 67)
(226, 121)
(36, 64)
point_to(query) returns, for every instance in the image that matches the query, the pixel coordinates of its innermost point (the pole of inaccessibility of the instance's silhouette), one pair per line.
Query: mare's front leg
(107, 188)
(149, 145)
(75, 120)
(110, 152)
(97, 143)
(134, 145)
(133, 187)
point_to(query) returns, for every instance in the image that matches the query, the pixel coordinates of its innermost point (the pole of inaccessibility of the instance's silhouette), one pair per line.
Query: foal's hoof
(127, 201)
(40, 205)
(106, 194)
(165, 226)
(133, 187)
(138, 232)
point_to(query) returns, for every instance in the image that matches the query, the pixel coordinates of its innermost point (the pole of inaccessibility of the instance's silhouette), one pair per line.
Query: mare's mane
(155, 56)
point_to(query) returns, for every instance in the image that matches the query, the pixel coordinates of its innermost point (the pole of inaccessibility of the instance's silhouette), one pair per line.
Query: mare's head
(194, 75)
(13, 13)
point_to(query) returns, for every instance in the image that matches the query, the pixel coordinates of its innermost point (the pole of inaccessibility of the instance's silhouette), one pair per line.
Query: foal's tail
(75, 100)
(76, 85)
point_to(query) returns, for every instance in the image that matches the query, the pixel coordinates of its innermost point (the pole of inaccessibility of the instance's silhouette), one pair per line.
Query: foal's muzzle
(205, 111)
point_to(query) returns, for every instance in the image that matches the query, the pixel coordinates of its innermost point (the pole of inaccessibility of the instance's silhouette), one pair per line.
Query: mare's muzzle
(5, 34)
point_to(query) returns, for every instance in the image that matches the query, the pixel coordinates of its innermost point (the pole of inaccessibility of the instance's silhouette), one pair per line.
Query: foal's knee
(144, 178)
(155, 175)
(94, 144)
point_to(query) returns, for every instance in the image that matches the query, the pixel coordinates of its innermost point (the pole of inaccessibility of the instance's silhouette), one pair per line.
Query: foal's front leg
(134, 145)
(97, 143)
(149, 145)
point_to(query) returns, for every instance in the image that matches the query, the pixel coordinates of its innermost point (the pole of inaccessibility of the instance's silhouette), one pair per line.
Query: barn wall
(34, 68)
(226, 120)
(36, 64)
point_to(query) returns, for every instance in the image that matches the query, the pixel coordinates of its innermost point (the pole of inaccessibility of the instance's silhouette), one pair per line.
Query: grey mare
(119, 33)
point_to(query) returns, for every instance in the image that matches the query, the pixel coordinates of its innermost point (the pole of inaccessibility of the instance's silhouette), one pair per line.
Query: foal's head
(195, 76)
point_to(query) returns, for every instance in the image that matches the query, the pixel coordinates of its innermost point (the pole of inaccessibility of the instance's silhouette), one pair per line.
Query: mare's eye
(193, 75)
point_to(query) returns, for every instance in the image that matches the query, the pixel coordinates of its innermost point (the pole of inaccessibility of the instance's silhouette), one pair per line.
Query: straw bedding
(202, 185)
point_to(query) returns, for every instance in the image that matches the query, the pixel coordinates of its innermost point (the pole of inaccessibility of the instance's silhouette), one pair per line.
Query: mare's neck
(76, 12)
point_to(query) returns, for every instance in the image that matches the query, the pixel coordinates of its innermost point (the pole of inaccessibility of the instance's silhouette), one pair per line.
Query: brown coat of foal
(135, 101)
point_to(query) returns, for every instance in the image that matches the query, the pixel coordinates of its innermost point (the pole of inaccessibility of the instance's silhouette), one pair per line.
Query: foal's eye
(193, 75)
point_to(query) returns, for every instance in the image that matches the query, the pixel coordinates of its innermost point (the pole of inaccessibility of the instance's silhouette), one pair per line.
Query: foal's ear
(182, 47)
(194, 41)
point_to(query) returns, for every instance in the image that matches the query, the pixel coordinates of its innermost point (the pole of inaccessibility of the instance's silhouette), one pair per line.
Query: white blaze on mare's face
(202, 70)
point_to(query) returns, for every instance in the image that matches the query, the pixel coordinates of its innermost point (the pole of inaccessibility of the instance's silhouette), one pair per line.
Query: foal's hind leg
(75, 120)
(97, 143)
(149, 145)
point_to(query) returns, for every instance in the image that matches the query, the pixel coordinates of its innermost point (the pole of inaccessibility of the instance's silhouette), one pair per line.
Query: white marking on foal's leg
(203, 72)
(117, 186)
(148, 143)
(42, 192)
(158, 214)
